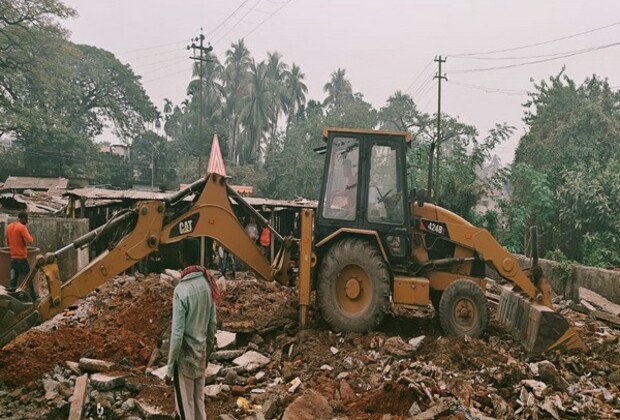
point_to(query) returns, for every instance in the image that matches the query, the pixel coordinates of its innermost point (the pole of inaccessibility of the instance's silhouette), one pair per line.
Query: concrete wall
(52, 233)
(604, 282)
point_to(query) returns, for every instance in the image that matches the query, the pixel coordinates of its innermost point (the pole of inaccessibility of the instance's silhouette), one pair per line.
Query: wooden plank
(79, 396)
(604, 316)
(600, 315)
(153, 358)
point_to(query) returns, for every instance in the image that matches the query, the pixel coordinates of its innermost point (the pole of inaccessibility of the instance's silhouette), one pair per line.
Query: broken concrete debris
(94, 366)
(405, 369)
(251, 360)
(225, 339)
(107, 381)
(310, 406)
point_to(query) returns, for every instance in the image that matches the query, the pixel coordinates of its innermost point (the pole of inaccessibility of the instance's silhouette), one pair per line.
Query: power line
(513, 92)
(483, 69)
(165, 76)
(419, 75)
(158, 69)
(239, 20)
(538, 43)
(423, 94)
(268, 17)
(166, 52)
(422, 87)
(526, 57)
(154, 47)
(154, 63)
(428, 101)
(226, 19)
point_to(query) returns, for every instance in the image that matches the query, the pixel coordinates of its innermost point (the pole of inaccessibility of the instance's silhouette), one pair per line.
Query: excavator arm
(527, 306)
(210, 214)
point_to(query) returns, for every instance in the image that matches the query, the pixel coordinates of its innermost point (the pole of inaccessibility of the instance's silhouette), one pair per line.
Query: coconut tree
(235, 77)
(296, 91)
(277, 71)
(257, 110)
(337, 88)
(210, 116)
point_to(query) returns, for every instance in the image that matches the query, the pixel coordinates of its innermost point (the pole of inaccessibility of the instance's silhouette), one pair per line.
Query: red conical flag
(216, 162)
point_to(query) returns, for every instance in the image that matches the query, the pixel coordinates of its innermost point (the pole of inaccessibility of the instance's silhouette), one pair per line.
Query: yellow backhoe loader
(367, 247)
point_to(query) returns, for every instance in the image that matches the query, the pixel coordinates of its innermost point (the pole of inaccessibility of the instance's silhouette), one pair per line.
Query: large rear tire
(463, 309)
(354, 286)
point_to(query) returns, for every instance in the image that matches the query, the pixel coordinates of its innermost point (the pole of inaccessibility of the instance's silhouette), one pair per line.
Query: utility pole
(439, 76)
(201, 60)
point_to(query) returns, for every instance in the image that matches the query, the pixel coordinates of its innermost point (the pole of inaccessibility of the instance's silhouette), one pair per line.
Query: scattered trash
(294, 384)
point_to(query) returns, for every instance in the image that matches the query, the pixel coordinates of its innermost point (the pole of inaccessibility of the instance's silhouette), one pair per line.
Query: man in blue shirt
(192, 336)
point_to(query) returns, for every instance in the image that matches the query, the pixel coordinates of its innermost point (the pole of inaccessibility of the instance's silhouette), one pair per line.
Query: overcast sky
(384, 45)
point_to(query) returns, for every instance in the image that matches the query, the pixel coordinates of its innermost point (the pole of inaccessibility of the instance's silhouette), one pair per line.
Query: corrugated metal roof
(39, 203)
(106, 194)
(92, 194)
(32, 183)
(299, 203)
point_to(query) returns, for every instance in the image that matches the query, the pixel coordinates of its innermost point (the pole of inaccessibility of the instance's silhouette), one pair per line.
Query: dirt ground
(360, 376)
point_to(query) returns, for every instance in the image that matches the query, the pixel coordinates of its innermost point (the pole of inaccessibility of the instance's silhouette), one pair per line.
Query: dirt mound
(126, 331)
(37, 352)
(258, 304)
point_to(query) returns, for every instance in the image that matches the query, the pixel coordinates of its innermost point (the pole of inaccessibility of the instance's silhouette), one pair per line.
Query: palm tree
(212, 100)
(337, 88)
(296, 91)
(277, 71)
(235, 75)
(258, 108)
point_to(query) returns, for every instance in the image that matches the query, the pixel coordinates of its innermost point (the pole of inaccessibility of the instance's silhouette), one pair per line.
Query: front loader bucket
(538, 327)
(15, 317)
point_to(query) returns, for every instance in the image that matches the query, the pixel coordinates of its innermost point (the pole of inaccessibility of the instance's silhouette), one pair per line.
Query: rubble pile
(265, 368)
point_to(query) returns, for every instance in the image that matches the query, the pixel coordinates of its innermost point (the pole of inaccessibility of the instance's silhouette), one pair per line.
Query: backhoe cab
(373, 248)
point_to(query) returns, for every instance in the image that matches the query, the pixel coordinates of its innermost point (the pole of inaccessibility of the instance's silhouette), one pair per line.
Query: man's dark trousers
(19, 269)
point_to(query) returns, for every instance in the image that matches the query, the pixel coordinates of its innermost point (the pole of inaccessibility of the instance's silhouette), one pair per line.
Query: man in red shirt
(18, 238)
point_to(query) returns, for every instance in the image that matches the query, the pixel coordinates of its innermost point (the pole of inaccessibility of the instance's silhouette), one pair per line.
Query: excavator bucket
(15, 316)
(537, 326)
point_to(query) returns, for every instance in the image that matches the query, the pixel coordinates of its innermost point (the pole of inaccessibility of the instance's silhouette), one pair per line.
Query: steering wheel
(383, 197)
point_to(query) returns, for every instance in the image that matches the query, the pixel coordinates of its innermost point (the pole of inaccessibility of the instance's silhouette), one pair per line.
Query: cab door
(384, 194)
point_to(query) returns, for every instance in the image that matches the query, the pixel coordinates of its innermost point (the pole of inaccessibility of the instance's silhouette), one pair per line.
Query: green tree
(278, 73)
(259, 107)
(55, 96)
(337, 89)
(588, 201)
(572, 143)
(568, 125)
(462, 154)
(236, 76)
(292, 163)
(150, 157)
(401, 113)
(532, 203)
(296, 91)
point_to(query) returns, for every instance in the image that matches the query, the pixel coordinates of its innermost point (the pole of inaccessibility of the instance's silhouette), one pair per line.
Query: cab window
(340, 200)
(385, 200)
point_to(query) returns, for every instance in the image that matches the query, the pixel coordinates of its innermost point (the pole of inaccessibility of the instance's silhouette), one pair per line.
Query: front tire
(354, 286)
(463, 309)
